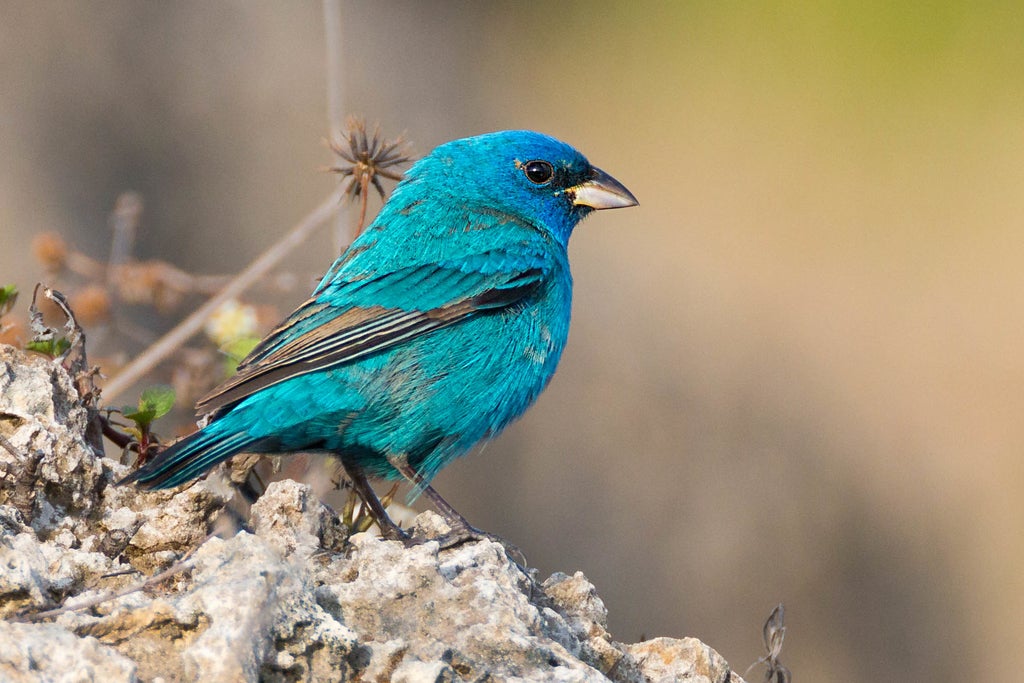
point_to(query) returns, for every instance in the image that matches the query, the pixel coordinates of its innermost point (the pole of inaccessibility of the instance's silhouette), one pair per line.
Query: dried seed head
(51, 251)
(369, 157)
(91, 305)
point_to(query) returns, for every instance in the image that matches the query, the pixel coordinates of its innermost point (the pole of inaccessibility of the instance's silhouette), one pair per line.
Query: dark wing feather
(337, 332)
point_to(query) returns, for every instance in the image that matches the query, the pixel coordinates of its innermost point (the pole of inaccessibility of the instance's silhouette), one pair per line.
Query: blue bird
(439, 325)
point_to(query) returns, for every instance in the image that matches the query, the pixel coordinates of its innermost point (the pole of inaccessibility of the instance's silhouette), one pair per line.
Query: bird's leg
(388, 529)
(457, 522)
(461, 530)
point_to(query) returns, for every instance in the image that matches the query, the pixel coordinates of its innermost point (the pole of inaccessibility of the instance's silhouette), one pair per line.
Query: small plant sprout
(154, 403)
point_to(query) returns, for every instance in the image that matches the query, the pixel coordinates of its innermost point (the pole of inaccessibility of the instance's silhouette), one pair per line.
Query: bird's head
(529, 175)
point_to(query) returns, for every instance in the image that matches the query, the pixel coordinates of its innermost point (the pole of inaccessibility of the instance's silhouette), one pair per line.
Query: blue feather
(439, 326)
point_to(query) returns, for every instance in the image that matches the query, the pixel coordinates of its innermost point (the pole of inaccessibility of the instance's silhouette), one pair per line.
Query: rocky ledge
(107, 583)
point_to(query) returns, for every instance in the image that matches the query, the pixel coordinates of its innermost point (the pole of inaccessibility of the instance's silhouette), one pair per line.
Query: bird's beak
(602, 191)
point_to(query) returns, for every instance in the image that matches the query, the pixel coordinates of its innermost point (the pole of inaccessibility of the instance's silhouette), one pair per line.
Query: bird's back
(436, 395)
(441, 323)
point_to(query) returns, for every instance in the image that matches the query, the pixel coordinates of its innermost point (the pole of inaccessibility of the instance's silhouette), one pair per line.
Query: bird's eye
(538, 172)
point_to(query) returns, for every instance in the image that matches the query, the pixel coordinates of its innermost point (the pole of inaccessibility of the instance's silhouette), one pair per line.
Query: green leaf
(143, 418)
(8, 295)
(51, 347)
(155, 402)
(159, 398)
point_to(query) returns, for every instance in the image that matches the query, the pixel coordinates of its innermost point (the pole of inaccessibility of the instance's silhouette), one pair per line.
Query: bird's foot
(397, 533)
(388, 529)
(455, 536)
(461, 531)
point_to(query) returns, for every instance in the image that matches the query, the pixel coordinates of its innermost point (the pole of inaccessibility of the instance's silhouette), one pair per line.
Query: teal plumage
(438, 326)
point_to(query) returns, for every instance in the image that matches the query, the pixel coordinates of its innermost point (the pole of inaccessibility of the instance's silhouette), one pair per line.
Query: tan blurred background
(796, 371)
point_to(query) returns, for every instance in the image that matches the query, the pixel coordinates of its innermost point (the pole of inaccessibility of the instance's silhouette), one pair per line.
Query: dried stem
(332, 30)
(119, 439)
(335, 100)
(124, 221)
(74, 359)
(168, 275)
(366, 159)
(363, 201)
(188, 327)
(9, 447)
(773, 632)
(181, 565)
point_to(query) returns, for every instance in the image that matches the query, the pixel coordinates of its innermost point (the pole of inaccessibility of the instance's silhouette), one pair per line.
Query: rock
(688, 659)
(263, 619)
(291, 518)
(576, 600)
(469, 605)
(46, 652)
(170, 523)
(42, 419)
(293, 600)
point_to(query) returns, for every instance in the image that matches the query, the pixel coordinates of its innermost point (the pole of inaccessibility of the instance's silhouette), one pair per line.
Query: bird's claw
(465, 533)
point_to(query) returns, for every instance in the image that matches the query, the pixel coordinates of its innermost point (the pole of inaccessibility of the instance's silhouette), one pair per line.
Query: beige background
(795, 371)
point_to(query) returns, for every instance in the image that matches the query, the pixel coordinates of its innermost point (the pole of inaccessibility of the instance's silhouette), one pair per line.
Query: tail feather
(189, 458)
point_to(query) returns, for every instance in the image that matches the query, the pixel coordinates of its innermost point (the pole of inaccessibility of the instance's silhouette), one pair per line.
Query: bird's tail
(189, 458)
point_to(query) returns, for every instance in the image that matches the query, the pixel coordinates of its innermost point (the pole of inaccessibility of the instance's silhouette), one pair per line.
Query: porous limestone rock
(293, 599)
(47, 652)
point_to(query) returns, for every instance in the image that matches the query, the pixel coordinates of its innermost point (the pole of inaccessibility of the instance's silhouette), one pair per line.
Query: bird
(438, 326)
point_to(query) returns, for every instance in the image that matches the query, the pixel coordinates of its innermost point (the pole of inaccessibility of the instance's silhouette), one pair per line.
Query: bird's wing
(349, 319)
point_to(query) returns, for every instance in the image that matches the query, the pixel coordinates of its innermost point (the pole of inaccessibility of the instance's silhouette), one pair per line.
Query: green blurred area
(795, 372)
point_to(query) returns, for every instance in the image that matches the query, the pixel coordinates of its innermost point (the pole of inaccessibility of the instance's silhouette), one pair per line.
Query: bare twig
(73, 332)
(120, 439)
(86, 266)
(74, 359)
(125, 223)
(40, 330)
(9, 447)
(335, 100)
(256, 270)
(184, 564)
(142, 282)
(123, 572)
(774, 633)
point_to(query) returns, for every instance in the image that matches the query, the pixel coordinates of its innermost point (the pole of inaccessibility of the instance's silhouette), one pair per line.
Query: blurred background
(795, 371)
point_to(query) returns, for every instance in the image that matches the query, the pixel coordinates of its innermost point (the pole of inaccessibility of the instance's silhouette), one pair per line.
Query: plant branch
(188, 327)
(332, 31)
(181, 565)
(335, 101)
